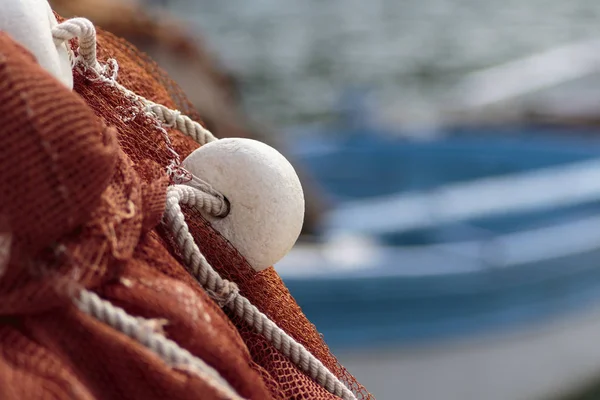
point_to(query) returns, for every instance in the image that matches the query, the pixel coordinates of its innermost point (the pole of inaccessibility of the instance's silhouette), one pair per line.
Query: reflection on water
(294, 57)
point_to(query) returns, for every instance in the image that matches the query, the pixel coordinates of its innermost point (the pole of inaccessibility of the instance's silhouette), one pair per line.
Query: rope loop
(197, 193)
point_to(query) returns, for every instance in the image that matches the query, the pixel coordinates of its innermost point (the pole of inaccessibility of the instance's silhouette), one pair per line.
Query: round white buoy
(30, 23)
(264, 192)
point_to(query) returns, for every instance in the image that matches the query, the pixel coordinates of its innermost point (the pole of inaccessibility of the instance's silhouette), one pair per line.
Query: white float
(30, 23)
(264, 192)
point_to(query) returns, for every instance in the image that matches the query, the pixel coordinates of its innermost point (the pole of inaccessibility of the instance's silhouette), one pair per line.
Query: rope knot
(226, 294)
(177, 174)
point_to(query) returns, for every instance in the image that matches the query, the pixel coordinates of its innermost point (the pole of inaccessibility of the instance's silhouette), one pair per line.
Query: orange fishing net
(81, 217)
(83, 204)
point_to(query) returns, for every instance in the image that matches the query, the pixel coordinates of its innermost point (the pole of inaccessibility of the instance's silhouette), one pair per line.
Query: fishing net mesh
(82, 194)
(80, 216)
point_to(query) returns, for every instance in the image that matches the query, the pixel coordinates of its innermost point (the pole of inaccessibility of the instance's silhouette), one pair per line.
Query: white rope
(180, 121)
(226, 293)
(86, 32)
(198, 194)
(199, 198)
(173, 355)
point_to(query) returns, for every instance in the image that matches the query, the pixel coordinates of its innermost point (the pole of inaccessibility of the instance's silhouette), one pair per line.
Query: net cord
(198, 195)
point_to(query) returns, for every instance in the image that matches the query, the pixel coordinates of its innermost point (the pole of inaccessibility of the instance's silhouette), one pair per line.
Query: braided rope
(180, 121)
(202, 195)
(213, 283)
(84, 29)
(169, 351)
(201, 199)
(86, 32)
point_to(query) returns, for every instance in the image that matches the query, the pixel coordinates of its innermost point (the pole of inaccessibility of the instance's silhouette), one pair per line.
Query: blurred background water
(442, 308)
(464, 266)
(295, 58)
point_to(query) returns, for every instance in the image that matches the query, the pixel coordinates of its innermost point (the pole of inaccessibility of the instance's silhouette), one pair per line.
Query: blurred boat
(557, 86)
(456, 240)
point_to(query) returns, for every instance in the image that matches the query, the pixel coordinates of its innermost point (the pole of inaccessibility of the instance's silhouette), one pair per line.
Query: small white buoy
(30, 23)
(264, 192)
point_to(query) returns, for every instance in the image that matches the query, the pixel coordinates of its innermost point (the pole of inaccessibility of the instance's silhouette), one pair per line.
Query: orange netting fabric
(56, 160)
(109, 241)
(96, 233)
(264, 289)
